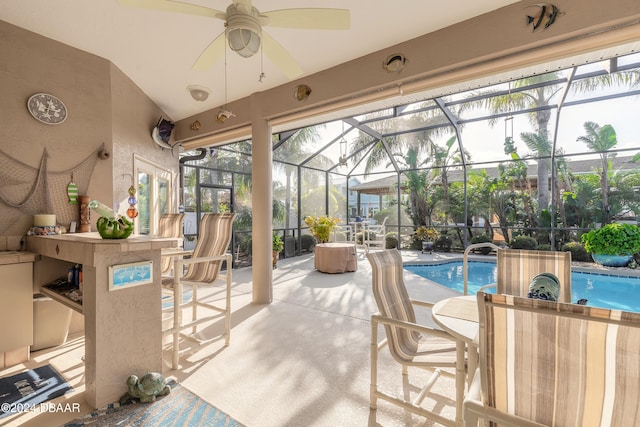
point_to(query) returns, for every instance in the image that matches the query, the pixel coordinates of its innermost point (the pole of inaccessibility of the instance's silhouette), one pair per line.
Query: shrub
(391, 240)
(307, 241)
(524, 242)
(443, 243)
(578, 252)
(482, 238)
(544, 247)
(360, 235)
(613, 239)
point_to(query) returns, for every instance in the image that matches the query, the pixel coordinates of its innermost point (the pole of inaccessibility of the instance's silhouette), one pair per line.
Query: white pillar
(262, 266)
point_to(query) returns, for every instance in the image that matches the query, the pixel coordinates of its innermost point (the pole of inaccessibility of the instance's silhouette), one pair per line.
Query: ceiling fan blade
(211, 54)
(280, 57)
(174, 6)
(312, 19)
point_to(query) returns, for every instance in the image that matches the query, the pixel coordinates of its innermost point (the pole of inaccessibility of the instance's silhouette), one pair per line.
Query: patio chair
(170, 225)
(409, 343)
(515, 268)
(342, 233)
(544, 363)
(378, 231)
(203, 269)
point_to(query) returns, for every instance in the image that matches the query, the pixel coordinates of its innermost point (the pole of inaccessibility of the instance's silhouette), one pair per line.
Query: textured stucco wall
(105, 107)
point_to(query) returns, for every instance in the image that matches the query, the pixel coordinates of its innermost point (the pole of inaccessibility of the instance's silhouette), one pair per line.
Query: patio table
(459, 317)
(336, 257)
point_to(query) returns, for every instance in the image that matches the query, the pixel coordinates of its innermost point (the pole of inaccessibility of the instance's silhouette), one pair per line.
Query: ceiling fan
(243, 28)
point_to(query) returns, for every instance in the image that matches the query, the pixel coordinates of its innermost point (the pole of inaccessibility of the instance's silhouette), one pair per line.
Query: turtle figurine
(146, 388)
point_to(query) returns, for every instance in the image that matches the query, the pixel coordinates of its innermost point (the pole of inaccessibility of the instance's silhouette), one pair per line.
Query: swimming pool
(601, 290)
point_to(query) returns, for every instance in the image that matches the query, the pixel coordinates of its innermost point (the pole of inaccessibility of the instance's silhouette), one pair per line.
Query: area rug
(178, 408)
(25, 390)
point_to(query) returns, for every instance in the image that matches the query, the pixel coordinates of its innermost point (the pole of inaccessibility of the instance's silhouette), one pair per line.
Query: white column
(262, 266)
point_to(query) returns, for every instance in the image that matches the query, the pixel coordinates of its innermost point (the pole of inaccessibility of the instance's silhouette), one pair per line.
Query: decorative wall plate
(47, 108)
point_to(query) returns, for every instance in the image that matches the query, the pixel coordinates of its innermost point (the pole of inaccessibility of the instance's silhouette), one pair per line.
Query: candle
(45, 220)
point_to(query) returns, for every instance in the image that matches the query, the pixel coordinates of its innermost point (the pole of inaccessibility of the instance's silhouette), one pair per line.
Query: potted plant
(277, 247)
(428, 236)
(321, 226)
(614, 244)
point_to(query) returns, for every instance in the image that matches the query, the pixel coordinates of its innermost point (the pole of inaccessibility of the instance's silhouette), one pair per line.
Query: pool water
(601, 290)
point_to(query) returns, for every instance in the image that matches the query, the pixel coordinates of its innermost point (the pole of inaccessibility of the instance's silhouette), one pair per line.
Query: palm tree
(534, 99)
(443, 157)
(533, 95)
(601, 140)
(405, 152)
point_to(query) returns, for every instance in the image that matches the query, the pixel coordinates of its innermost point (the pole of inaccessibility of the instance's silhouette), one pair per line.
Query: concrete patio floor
(302, 360)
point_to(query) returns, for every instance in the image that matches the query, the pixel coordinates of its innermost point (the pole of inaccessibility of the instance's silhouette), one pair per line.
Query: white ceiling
(157, 49)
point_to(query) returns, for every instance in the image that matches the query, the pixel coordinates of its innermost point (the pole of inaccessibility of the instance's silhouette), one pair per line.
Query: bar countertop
(85, 247)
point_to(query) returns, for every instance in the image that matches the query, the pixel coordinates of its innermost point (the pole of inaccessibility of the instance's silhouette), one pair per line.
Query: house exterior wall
(104, 107)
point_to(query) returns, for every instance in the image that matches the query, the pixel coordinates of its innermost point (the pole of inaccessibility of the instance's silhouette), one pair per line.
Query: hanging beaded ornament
(132, 212)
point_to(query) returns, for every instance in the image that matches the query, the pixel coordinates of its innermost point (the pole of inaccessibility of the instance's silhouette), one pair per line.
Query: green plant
(391, 240)
(426, 234)
(321, 226)
(443, 243)
(278, 244)
(307, 241)
(613, 239)
(578, 252)
(482, 238)
(544, 247)
(524, 242)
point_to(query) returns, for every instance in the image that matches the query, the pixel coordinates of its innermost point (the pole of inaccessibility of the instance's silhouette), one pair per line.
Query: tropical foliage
(613, 239)
(530, 194)
(321, 226)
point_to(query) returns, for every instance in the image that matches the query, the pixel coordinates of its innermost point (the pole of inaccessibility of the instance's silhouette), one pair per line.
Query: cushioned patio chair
(410, 344)
(544, 363)
(515, 268)
(204, 267)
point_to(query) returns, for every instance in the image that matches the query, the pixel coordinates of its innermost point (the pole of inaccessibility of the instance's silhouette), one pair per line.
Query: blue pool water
(618, 292)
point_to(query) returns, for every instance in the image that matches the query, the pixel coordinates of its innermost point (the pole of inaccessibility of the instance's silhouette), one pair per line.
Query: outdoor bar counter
(122, 323)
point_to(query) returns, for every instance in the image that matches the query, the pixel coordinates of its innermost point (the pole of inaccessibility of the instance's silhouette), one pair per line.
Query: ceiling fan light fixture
(244, 31)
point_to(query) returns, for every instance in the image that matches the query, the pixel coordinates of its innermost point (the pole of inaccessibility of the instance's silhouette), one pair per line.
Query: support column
(262, 266)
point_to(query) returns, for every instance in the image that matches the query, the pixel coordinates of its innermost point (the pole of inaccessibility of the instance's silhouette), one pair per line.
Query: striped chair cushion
(516, 268)
(213, 240)
(559, 364)
(169, 225)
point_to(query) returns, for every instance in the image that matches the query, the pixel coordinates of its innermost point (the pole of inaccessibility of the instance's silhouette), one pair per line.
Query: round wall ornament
(47, 108)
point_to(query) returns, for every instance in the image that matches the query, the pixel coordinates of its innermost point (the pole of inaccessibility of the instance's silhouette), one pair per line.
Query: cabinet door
(16, 306)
